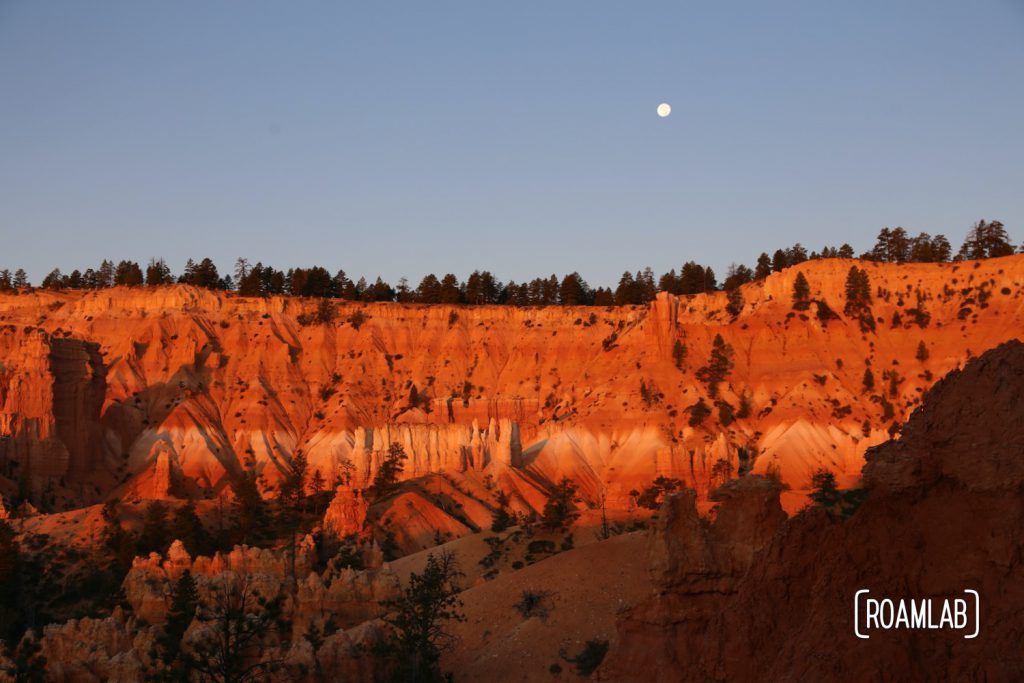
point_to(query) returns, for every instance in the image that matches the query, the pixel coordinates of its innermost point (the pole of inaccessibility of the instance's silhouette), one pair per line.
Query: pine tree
(231, 647)
(734, 302)
(698, 411)
(801, 293)
(764, 267)
(419, 616)
(560, 506)
(679, 353)
(868, 380)
(154, 536)
(185, 526)
(858, 298)
(500, 518)
(386, 479)
(158, 273)
(117, 540)
(184, 602)
(250, 510)
(986, 240)
(824, 493)
(719, 365)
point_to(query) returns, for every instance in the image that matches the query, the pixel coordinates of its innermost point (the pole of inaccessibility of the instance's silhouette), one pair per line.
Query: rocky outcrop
(346, 596)
(91, 650)
(52, 391)
(346, 514)
(342, 603)
(943, 513)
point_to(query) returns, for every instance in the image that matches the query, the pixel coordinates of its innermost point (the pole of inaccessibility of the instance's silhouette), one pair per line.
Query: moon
(664, 109)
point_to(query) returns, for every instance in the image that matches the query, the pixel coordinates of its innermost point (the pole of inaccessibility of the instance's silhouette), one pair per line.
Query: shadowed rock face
(944, 512)
(51, 397)
(190, 384)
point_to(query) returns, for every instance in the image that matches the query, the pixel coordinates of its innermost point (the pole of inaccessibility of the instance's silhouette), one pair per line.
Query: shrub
(698, 411)
(325, 312)
(534, 603)
(357, 319)
(679, 354)
(590, 657)
(653, 495)
(540, 547)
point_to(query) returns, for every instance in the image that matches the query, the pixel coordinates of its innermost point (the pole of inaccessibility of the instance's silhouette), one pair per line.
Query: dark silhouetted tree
(386, 479)
(420, 617)
(154, 537)
(128, 273)
(801, 293)
(719, 365)
(764, 267)
(157, 273)
(228, 646)
(986, 240)
(560, 506)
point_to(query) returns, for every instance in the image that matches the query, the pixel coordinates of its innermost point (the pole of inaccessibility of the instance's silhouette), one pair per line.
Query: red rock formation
(350, 597)
(197, 381)
(118, 647)
(51, 394)
(347, 512)
(944, 513)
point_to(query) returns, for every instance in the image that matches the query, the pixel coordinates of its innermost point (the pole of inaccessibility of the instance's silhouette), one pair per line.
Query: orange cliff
(168, 391)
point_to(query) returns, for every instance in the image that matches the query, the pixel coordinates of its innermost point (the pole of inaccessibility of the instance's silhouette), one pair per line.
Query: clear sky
(402, 138)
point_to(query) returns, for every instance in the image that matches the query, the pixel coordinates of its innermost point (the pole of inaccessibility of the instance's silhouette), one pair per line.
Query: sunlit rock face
(170, 391)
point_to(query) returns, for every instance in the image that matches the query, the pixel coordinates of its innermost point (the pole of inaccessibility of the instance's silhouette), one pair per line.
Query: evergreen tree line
(984, 240)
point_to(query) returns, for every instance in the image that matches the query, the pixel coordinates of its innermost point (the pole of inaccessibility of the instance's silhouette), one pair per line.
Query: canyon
(167, 392)
(176, 393)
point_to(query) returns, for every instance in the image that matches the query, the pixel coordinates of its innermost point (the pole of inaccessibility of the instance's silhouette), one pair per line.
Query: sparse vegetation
(827, 495)
(652, 496)
(534, 603)
(590, 657)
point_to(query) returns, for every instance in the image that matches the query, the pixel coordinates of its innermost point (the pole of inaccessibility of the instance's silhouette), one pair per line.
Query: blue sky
(405, 138)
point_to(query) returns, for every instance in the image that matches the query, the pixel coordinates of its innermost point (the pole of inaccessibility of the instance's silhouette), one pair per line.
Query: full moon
(664, 110)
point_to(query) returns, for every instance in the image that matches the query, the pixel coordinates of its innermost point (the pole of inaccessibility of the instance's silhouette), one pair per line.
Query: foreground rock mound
(943, 513)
